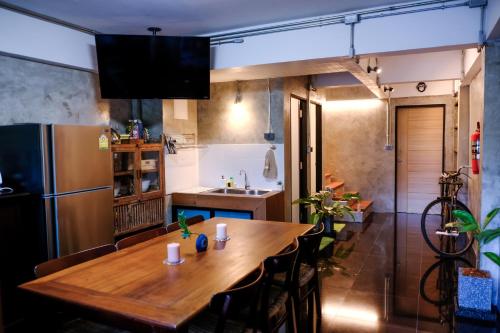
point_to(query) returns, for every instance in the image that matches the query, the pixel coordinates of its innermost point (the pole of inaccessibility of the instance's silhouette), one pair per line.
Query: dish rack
(175, 142)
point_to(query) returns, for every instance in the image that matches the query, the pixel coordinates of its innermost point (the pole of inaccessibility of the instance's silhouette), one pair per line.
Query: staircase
(361, 209)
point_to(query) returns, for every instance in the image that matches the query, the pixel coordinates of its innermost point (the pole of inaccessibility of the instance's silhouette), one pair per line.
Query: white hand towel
(270, 168)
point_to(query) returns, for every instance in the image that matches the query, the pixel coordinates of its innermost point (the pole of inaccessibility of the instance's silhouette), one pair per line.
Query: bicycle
(442, 239)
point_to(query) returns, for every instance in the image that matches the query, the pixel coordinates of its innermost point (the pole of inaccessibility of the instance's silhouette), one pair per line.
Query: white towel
(270, 168)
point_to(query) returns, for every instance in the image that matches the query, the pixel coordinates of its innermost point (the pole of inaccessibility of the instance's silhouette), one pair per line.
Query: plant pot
(475, 289)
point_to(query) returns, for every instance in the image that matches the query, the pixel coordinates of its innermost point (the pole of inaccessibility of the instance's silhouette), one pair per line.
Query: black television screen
(153, 66)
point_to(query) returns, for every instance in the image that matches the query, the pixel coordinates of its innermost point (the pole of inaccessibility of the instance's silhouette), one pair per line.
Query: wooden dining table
(134, 286)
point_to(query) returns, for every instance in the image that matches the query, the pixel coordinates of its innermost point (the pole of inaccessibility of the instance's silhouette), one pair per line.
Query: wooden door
(419, 156)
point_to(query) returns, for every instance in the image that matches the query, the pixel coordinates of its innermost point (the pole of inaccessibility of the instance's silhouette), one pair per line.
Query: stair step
(335, 185)
(366, 208)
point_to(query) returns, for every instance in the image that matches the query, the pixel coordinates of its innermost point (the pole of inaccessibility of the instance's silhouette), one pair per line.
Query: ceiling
(186, 17)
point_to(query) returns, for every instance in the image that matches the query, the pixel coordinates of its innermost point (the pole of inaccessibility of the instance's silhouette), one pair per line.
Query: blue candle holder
(201, 243)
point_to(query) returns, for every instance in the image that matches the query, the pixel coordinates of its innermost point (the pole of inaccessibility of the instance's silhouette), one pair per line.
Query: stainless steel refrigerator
(70, 168)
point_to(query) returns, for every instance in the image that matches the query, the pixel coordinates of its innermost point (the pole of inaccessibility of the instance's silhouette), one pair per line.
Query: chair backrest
(309, 246)
(278, 264)
(228, 303)
(140, 237)
(61, 263)
(190, 221)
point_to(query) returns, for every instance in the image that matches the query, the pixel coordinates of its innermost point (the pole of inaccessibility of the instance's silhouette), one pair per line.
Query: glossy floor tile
(391, 282)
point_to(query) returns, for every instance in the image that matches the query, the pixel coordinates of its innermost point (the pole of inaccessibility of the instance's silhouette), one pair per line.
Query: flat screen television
(142, 67)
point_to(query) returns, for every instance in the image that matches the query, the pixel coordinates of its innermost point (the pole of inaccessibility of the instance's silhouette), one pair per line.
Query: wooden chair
(140, 237)
(305, 280)
(190, 221)
(276, 302)
(61, 322)
(226, 309)
(61, 263)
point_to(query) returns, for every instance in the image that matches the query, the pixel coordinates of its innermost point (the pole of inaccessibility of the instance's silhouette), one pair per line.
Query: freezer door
(81, 161)
(84, 220)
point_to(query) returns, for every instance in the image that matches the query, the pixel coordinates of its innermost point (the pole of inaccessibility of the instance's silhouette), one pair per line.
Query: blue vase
(201, 243)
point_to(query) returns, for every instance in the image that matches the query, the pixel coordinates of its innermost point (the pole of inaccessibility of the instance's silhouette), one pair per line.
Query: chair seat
(305, 275)
(277, 309)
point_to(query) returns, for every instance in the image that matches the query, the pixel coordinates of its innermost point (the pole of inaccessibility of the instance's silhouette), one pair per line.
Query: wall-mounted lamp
(375, 69)
(237, 98)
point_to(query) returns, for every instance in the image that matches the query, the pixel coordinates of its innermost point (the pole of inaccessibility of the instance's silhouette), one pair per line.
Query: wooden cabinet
(138, 186)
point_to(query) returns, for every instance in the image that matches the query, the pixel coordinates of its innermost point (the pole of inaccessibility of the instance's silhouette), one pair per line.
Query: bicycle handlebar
(452, 174)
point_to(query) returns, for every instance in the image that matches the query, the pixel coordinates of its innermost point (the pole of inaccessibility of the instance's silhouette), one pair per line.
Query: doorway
(299, 170)
(419, 156)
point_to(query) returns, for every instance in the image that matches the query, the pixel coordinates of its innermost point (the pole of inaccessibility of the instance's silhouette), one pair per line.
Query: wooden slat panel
(420, 158)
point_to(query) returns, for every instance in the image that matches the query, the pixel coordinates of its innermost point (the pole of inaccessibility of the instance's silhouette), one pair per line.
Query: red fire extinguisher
(475, 149)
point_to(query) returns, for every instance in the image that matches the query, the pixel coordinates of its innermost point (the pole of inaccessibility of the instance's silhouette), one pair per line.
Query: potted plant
(475, 286)
(324, 209)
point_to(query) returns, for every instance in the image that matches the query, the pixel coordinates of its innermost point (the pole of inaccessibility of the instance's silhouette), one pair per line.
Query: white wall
(434, 88)
(181, 170)
(492, 17)
(30, 37)
(455, 27)
(470, 56)
(229, 159)
(431, 66)
(34, 38)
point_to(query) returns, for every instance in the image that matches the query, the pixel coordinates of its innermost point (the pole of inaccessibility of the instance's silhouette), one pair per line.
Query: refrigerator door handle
(49, 227)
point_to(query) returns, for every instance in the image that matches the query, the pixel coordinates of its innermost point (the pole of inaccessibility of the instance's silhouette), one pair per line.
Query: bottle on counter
(223, 181)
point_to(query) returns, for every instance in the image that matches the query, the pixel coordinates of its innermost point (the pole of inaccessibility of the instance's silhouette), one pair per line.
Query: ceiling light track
(46, 18)
(410, 8)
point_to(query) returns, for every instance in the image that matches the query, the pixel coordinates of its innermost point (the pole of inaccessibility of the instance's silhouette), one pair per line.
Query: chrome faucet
(247, 186)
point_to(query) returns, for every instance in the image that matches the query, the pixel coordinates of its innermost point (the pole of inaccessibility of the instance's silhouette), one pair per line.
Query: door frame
(443, 155)
(288, 153)
(319, 146)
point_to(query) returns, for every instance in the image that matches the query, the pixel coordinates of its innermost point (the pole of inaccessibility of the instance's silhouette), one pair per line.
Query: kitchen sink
(239, 191)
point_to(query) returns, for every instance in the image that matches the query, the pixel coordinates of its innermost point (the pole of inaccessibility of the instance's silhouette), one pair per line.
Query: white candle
(221, 231)
(173, 252)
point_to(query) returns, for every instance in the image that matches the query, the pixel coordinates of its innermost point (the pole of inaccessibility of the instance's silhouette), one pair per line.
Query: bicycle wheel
(442, 241)
(439, 282)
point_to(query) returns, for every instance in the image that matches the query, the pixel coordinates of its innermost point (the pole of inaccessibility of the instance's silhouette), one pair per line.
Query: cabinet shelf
(124, 173)
(136, 210)
(149, 171)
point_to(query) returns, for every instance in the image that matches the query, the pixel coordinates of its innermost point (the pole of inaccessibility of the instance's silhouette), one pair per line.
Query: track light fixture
(375, 69)
(388, 89)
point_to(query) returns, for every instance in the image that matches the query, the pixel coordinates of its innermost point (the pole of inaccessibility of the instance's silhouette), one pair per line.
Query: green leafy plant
(467, 223)
(323, 206)
(186, 233)
(351, 196)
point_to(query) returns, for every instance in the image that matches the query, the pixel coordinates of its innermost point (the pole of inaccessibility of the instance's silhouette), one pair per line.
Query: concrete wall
(490, 155)
(476, 110)
(353, 144)
(39, 93)
(220, 122)
(234, 136)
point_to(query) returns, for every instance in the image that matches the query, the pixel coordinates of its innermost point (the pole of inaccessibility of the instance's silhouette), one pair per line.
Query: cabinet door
(151, 164)
(233, 214)
(125, 174)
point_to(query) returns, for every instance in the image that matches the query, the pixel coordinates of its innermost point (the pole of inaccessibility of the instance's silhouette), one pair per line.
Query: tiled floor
(379, 289)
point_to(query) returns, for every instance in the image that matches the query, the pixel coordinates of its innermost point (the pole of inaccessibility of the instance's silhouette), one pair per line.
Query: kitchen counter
(268, 206)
